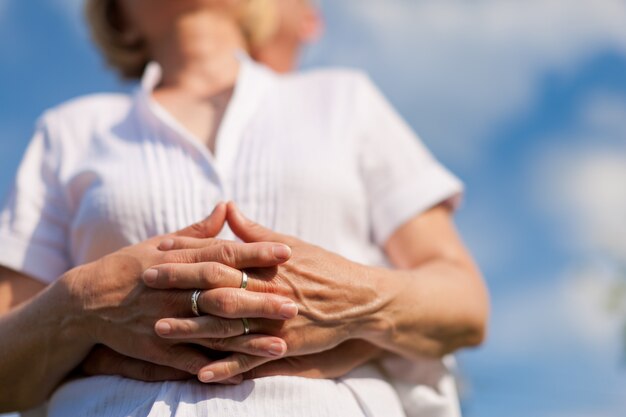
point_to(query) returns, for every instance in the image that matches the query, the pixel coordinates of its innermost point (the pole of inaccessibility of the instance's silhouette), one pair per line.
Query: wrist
(377, 326)
(74, 289)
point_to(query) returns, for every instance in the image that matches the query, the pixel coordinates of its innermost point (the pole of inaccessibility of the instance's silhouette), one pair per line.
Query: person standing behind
(424, 388)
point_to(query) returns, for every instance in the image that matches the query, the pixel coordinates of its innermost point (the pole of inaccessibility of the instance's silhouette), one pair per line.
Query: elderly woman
(358, 259)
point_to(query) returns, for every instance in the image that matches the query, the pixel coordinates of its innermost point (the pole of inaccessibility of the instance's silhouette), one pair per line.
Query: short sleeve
(34, 217)
(402, 179)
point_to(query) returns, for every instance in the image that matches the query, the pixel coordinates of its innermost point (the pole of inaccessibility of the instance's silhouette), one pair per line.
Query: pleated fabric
(320, 155)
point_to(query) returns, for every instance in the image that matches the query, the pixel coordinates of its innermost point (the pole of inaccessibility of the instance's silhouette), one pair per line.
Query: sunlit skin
(433, 303)
(299, 24)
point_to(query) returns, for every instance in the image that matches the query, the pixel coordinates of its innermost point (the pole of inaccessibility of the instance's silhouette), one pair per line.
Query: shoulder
(331, 89)
(339, 80)
(68, 128)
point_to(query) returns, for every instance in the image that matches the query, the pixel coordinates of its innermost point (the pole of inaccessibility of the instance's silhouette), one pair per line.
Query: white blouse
(320, 155)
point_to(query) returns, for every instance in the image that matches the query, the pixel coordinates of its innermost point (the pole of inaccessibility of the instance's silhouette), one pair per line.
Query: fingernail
(288, 310)
(206, 376)
(150, 276)
(163, 327)
(167, 244)
(282, 252)
(276, 349)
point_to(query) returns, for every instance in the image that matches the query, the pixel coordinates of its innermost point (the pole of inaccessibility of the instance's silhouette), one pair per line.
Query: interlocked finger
(236, 364)
(256, 345)
(234, 254)
(105, 361)
(203, 276)
(199, 327)
(237, 303)
(184, 358)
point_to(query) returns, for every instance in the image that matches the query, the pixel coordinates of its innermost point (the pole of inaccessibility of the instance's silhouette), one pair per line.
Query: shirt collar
(153, 73)
(253, 81)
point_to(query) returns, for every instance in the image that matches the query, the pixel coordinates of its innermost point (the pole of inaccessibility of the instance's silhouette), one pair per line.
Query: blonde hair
(129, 55)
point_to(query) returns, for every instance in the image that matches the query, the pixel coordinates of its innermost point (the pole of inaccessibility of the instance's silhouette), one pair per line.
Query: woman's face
(152, 18)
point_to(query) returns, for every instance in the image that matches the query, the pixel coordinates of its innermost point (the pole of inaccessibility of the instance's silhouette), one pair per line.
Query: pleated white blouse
(320, 155)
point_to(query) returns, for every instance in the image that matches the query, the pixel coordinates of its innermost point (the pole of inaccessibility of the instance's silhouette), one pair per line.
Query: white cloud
(560, 332)
(593, 187)
(580, 180)
(542, 320)
(458, 68)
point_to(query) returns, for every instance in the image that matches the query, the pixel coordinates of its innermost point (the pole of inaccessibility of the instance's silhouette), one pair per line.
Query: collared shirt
(319, 155)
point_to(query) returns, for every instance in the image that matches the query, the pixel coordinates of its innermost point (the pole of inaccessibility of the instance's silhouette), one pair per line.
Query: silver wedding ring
(194, 302)
(244, 280)
(246, 326)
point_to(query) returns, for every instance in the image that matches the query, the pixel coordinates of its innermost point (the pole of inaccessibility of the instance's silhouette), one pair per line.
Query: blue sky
(525, 100)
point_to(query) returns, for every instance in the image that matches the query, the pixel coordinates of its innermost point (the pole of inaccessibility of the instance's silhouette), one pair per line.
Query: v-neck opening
(232, 122)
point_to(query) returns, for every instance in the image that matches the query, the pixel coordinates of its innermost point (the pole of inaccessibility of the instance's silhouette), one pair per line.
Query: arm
(437, 300)
(434, 304)
(40, 337)
(412, 248)
(105, 302)
(15, 288)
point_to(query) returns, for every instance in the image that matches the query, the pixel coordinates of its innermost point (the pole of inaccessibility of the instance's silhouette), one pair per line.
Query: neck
(281, 56)
(198, 54)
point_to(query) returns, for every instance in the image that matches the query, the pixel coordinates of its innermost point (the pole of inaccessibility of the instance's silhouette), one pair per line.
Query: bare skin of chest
(200, 116)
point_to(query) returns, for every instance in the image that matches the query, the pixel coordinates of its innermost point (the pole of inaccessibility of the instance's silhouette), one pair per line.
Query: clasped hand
(302, 303)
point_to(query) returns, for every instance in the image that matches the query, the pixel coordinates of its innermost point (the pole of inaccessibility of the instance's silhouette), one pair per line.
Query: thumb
(249, 231)
(209, 227)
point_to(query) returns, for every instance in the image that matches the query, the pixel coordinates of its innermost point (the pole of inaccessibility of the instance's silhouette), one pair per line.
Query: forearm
(42, 342)
(434, 303)
(431, 310)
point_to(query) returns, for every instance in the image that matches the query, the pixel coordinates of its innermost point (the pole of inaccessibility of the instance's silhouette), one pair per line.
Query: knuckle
(271, 306)
(228, 253)
(173, 257)
(228, 302)
(192, 365)
(148, 372)
(169, 302)
(225, 327)
(184, 327)
(211, 273)
(198, 229)
(251, 374)
(183, 360)
(243, 363)
(154, 356)
(219, 344)
(257, 345)
(265, 251)
(181, 256)
(212, 242)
